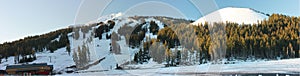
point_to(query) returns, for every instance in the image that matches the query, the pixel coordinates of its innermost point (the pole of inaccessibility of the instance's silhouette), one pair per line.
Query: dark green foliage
(52, 46)
(108, 36)
(178, 57)
(99, 31)
(30, 45)
(137, 35)
(68, 48)
(154, 28)
(27, 59)
(63, 42)
(138, 57)
(143, 55)
(111, 24)
(168, 55)
(104, 28)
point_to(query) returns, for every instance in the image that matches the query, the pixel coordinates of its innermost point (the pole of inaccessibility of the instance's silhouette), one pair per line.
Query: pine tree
(136, 57)
(68, 48)
(153, 27)
(168, 57)
(178, 57)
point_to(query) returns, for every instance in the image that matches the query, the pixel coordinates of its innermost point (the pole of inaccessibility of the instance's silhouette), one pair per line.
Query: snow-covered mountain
(97, 49)
(233, 14)
(101, 61)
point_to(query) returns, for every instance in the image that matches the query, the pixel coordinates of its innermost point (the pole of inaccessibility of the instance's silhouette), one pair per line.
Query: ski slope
(232, 14)
(98, 49)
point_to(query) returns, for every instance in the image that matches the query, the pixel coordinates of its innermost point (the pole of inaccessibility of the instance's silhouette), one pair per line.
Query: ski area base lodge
(30, 69)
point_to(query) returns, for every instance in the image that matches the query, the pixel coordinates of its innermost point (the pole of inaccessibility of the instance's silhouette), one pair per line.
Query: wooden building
(30, 69)
(2, 72)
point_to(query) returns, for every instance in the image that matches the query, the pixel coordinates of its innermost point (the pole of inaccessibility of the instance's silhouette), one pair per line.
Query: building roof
(27, 66)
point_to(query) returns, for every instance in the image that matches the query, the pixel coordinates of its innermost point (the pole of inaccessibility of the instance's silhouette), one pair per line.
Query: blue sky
(21, 18)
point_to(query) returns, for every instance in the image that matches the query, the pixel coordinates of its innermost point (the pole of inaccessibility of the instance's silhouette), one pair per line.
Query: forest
(24, 49)
(274, 38)
(179, 42)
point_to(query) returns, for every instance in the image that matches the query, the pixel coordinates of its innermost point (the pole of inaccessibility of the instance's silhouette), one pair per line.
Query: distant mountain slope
(233, 14)
(153, 42)
(80, 45)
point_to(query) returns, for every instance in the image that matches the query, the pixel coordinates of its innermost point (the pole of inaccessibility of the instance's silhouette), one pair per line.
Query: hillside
(233, 14)
(85, 44)
(144, 43)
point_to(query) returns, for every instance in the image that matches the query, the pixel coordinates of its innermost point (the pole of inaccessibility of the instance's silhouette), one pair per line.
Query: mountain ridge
(233, 14)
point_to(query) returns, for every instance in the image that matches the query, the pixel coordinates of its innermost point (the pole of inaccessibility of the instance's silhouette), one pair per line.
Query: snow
(56, 39)
(149, 65)
(122, 21)
(159, 23)
(111, 59)
(10, 60)
(232, 14)
(105, 18)
(151, 35)
(59, 59)
(287, 66)
(281, 66)
(101, 47)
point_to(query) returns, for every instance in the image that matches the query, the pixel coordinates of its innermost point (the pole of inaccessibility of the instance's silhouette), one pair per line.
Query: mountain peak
(233, 14)
(110, 16)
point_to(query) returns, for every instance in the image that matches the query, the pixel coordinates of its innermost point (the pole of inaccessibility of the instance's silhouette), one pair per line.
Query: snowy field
(288, 67)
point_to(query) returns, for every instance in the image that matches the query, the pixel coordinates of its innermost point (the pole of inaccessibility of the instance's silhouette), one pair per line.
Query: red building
(30, 69)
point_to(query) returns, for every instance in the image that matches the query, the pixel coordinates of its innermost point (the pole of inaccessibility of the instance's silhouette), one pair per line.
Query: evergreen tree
(168, 57)
(178, 57)
(153, 27)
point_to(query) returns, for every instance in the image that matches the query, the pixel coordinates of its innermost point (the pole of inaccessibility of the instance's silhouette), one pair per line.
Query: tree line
(24, 49)
(274, 38)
